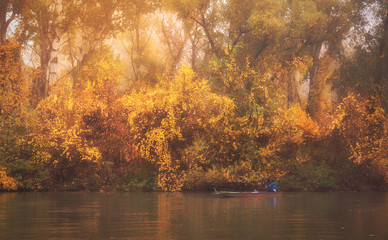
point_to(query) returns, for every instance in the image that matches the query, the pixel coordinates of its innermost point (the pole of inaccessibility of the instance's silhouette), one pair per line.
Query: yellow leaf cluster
(7, 183)
(163, 120)
(13, 85)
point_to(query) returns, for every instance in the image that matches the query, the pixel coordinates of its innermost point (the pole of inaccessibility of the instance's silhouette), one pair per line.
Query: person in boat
(272, 187)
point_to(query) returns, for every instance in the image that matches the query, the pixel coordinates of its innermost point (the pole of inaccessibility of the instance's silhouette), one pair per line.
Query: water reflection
(272, 201)
(192, 216)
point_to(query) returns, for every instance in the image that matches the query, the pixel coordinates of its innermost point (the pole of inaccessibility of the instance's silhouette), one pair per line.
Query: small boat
(246, 194)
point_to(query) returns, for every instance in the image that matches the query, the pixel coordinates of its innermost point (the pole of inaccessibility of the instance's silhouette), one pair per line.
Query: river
(334, 215)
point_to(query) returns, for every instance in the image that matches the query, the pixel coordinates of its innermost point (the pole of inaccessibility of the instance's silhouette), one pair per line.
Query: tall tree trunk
(313, 91)
(292, 88)
(49, 48)
(52, 73)
(314, 69)
(320, 95)
(4, 22)
(44, 67)
(203, 23)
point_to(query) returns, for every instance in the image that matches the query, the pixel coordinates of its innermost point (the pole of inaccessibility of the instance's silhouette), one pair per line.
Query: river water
(337, 215)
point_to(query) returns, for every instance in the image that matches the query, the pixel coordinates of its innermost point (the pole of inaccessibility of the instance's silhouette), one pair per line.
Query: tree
(207, 14)
(13, 86)
(15, 119)
(81, 26)
(360, 125)
(138, 36)
(93, 22)
(97, 93)
(197, 45)
(45, 23)
(314, 26)
(12, 7)
(174, 37)
(165, 120)
(363, 69)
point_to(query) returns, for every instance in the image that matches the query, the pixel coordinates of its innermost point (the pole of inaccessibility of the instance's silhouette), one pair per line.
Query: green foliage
(86, 183)
(308, 177)
(130, 182)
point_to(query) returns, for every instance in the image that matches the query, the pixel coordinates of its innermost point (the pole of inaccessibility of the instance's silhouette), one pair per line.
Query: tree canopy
(173, 95)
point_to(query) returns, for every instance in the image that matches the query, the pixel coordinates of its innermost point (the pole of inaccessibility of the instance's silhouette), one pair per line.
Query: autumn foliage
(176, 95)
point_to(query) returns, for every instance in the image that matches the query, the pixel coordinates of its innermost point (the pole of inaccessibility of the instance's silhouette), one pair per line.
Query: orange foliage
(7, 183)
(361, 124)
(97, 94)
(13, 87)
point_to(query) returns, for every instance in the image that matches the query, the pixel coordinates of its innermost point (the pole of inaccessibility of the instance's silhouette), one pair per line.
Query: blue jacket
(272, 186)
